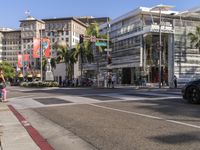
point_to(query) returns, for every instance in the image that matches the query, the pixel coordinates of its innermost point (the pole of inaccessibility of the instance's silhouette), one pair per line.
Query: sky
(11, 11)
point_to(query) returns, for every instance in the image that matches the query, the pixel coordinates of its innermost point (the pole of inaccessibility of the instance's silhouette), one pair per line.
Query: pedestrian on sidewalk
(113, 80)
(109, 81)
(175, 81)
(2, 86)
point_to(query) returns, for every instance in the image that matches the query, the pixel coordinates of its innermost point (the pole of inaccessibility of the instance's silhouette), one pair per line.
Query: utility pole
(81, 39)
(41, 53)
(108, 52)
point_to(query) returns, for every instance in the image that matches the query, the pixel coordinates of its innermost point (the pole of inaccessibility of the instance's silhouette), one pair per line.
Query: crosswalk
(31, 101)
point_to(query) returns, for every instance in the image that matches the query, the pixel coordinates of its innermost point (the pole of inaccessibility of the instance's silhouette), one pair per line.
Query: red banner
(26, 57)
(46, 47)
(36, 48)
(19, 61)
(45, 43)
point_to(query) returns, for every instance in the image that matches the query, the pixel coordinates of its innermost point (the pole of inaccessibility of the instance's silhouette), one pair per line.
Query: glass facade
(135, 47)
(186, 56)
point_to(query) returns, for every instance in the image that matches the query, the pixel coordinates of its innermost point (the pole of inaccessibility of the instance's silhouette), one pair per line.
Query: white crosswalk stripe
(24, 102)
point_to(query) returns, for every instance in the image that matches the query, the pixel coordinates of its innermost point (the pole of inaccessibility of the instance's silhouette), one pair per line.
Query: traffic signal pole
(81, 39)
(93, 39)
(108, 53)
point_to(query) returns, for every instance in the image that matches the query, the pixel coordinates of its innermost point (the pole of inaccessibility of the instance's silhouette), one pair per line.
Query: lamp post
(160, 8)
(41, 53)
(108, 52)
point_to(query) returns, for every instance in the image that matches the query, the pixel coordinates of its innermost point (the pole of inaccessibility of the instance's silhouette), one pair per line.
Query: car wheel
(193, 95)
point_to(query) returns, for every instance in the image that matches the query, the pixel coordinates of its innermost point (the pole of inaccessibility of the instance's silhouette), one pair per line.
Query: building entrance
(152, 50)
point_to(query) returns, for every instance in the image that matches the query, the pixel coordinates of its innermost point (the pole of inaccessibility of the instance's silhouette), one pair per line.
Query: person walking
(113, 80)
(175, 81)
(3, 87)
(109, 81)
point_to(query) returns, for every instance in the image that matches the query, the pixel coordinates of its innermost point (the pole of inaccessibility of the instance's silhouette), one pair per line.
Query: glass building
(135, 46)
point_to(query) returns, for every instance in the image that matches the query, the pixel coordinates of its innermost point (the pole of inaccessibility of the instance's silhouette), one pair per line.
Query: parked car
(191, 92)
(86, 82)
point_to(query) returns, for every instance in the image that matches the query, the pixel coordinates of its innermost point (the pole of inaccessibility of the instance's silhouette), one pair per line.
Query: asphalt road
(119, 119)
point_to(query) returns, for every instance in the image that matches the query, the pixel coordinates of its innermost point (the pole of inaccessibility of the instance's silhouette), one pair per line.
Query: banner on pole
(36, 48)
(45, 44)
(46, 47)
(19, 63)
(26, 57)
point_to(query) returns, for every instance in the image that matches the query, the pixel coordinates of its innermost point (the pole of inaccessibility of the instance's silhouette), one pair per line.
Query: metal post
(160, 8)
(97, 53)
(160, 51)
(108, 46)
(23, 71)
(81, 52)
(41, 53)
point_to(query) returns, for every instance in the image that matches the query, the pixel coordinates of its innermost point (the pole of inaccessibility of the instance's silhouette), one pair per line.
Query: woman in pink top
(3, 87)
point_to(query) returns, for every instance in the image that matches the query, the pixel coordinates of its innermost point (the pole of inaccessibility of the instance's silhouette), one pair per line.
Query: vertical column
(170, 60)
(141, 51)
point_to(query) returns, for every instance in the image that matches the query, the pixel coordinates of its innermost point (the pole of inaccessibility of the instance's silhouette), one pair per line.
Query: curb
(35, 135)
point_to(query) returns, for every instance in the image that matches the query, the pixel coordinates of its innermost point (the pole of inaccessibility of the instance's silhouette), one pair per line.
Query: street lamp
(160, 8)
(41, 55)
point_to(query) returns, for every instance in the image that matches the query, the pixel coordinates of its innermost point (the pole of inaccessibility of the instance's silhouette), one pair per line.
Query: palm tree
(53, 63)
(64, 56)
(84, 52)
(195, 38)
(87, 46)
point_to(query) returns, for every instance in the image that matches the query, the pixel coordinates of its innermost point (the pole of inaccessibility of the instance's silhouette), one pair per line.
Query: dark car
(191, 92)
(86, 82)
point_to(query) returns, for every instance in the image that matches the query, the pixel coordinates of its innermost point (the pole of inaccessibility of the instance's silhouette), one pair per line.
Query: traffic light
(81, 38)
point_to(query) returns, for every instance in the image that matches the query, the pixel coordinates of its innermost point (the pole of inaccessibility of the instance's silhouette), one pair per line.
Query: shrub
(39, 84)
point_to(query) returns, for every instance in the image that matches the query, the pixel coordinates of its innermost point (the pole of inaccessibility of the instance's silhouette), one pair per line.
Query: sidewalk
(13, 135)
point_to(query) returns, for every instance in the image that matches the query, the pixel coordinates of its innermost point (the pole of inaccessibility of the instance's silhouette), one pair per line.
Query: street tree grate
(51, 101)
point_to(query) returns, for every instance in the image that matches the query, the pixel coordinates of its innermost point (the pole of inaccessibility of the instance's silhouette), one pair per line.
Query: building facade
(68, 30)
(31, 28)
(10, 45)
(135, 46)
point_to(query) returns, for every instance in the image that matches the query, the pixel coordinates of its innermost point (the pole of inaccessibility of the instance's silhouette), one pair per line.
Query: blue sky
(11, 11)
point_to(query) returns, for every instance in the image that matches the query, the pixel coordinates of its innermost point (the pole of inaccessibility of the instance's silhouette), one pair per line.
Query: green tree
(195, 38)
(53, 63)
(9, 71)
(65, 55)
(88, 46)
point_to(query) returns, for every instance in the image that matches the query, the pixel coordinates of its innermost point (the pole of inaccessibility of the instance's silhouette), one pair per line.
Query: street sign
(101, 44)
(108, 49)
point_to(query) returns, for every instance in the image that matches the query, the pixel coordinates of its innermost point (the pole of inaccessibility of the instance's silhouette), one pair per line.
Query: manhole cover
(51, 101)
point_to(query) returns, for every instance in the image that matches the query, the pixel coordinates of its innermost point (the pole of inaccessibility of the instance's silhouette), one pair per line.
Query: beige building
(1, 45)
(10, 45)
(13, 42)
(64, 29)
(68, 29)
(31, 28)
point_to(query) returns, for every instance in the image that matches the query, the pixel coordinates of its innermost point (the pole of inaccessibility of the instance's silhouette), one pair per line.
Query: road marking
(19, 97)
(35, 135)
(147, 116)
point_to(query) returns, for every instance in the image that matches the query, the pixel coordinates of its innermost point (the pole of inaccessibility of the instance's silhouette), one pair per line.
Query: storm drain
(51, 101)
